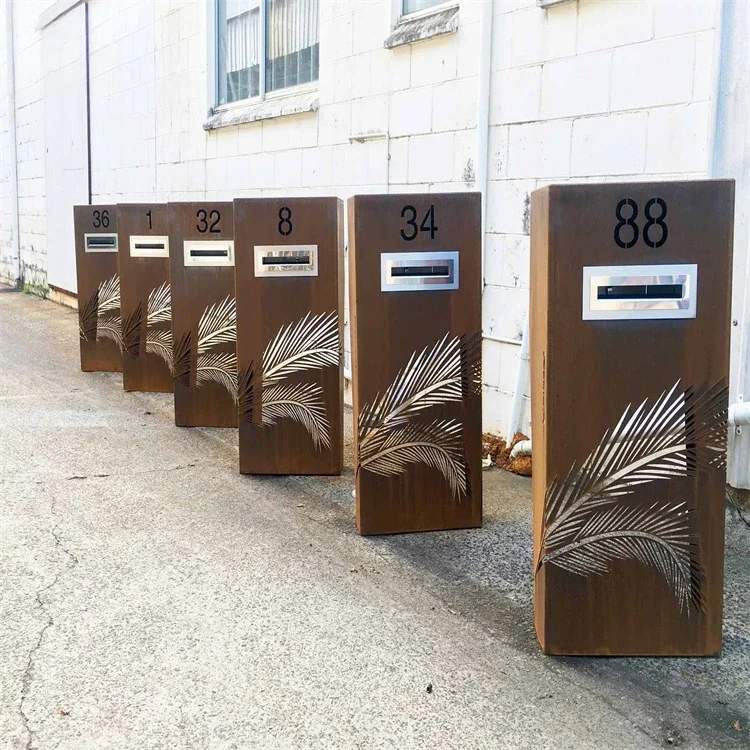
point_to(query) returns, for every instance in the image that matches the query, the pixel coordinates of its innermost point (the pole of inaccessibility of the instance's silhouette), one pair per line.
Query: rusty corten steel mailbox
(98, 288)
(630, 321)
(204, 362)
(415, 301)
(290, 287)
(146, 309)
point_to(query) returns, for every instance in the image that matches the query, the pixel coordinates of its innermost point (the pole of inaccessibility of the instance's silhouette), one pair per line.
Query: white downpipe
(11, 68)
(483, 113)
(522, 378)
(521, 448)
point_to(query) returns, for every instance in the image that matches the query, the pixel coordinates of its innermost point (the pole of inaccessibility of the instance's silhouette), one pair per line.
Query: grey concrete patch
(154, 598)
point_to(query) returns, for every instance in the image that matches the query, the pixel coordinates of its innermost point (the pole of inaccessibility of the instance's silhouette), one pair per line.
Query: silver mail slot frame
(100, 236)
(416, 283)
(226, 247)
(289, 269)
(138, 251)
(684, 274)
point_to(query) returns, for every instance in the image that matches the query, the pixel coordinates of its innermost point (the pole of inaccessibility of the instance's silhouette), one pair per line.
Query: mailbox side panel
(98, 291)
(145, 300)
(538, 322)
(416, 366)
(290, 338)
(203, 319)
(630, 557)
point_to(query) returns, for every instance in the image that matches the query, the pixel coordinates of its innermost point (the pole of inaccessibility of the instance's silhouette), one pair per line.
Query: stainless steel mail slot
(149, 246)
(286, 260)
(100, 243)
(208, 252)
(419, 272)
(640, 292)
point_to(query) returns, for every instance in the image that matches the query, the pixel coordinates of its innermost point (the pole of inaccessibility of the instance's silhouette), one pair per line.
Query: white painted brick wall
(586, 90)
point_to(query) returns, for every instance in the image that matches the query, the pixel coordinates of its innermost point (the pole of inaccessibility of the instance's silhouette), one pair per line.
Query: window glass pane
(411, 6)
(291, 43)
(239, 49)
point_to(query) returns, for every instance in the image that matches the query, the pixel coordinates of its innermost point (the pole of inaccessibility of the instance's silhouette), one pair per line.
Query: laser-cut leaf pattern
(658, 536)
(219, 367)
(302, 402)
(390, 435)
(437, 444)
(159, 308)
(309, 344)
(159, 342)
(586, 524)
(218, 325)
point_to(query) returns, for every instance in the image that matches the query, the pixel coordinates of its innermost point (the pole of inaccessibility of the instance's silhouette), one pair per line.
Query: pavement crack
(736, 506)
(28, 673)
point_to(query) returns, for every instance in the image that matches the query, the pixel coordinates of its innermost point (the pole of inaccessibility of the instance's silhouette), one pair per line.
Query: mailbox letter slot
(419, 272)
(286, 260)
(209, 252)
(101, 243)
(149, 246)
(640, 292)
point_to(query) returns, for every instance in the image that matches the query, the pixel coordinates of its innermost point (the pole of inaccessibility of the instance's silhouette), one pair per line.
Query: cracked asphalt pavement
(151, 597)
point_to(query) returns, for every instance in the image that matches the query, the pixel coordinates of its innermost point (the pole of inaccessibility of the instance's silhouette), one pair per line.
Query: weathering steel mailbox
(630, 305)
(98, 288)
(143, 240)
(289, 263)
(204, 363)
(415, 280)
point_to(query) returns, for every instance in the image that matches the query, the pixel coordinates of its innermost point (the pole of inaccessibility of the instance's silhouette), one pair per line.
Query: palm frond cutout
(219, 367)
(110, 328)
(218, 325)
(87, 318)
(246, 393)
(159, 342)
(109, 295)
(310, 343)
(657, 536)
(471, 364)
(437, 444)
(302, 402)
(682, 431)
(439, 374)
(181, 360)
(159, 307)
(131, 332)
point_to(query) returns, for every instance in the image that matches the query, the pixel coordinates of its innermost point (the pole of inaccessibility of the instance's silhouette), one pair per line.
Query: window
(264, 46)
(412, 6)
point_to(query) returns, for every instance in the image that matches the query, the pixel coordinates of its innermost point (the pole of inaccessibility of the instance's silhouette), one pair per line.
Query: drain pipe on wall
(11, 68)
(522, 378)
(483, 114)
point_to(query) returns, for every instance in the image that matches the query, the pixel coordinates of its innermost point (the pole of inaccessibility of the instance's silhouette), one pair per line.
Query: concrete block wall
(29, 110)
(587, 90)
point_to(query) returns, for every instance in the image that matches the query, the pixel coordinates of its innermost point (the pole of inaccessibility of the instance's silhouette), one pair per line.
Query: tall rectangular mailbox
(630, 306)
(201, 252)
(98, 288)
(415, 294)
(143, 241)
(290, 289)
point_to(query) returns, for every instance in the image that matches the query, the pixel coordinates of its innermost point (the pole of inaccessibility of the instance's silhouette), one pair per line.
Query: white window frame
(397, 10)
(212, 68)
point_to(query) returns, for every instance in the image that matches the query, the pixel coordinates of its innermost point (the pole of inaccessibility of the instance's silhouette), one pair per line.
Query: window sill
(414, 29)
(266, 109)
